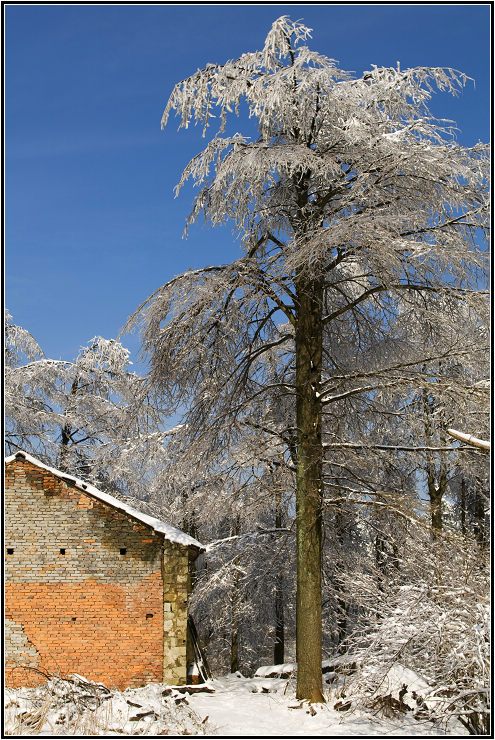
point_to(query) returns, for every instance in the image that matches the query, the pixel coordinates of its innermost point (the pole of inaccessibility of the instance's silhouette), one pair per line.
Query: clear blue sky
(92, 226)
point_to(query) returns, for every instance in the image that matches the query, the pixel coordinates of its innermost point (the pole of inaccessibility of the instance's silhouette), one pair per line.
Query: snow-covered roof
(172, 534)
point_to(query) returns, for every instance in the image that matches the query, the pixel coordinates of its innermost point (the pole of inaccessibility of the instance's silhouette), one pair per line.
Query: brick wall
(88, 589)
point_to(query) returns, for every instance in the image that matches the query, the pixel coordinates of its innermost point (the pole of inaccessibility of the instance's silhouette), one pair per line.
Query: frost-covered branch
(469, 439)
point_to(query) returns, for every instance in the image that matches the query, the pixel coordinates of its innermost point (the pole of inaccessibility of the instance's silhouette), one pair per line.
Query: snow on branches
(91, 417)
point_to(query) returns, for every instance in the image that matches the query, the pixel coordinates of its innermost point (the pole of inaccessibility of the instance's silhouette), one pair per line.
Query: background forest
(296, 401)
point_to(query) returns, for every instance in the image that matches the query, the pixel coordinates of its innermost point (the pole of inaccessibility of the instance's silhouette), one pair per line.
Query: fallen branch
(190, 689)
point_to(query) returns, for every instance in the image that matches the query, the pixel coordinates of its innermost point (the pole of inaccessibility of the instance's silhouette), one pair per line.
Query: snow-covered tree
(23, 415)
(240, 499)
(20, 345)
(92, 417)
(355, 207)
(429, 612)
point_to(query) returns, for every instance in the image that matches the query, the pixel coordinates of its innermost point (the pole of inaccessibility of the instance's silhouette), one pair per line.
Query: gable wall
(92, 610)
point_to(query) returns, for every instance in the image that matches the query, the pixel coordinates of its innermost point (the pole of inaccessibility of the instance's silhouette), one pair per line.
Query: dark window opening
(148, 616)
(74, 619)
(10, 550)
(123, 550)
(62, 550)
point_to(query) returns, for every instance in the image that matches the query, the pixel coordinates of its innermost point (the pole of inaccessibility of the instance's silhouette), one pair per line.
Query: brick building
(92, 586)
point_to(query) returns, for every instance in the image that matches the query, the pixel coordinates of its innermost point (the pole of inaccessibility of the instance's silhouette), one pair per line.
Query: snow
(264, 707)
(266, 671)
(398, 675)
(172, 534)
(284, 670)
(82, 707)
(239, 706)
(469, 439)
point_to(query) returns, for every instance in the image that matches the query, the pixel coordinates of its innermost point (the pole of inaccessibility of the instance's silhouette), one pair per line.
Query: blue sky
(92, 226)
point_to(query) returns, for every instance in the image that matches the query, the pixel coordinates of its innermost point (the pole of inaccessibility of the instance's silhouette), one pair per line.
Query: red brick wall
(91, 610)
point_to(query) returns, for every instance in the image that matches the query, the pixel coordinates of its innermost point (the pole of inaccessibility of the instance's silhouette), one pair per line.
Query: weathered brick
(115, 618)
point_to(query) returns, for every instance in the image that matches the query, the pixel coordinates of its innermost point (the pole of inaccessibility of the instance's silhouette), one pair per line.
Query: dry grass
(81, 708)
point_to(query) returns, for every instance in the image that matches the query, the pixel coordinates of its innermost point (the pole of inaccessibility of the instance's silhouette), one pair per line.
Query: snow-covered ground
(264, 707)
(259, 706)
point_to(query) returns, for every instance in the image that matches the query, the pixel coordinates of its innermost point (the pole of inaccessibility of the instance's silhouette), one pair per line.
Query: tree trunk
(479, 514)
(308, 340)
(278, 650)
(234, 630)
(66, 431)
(435, 490)
(234, 643)
(435, 507)
(279, 647)
(190, 528)
(343, 606)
